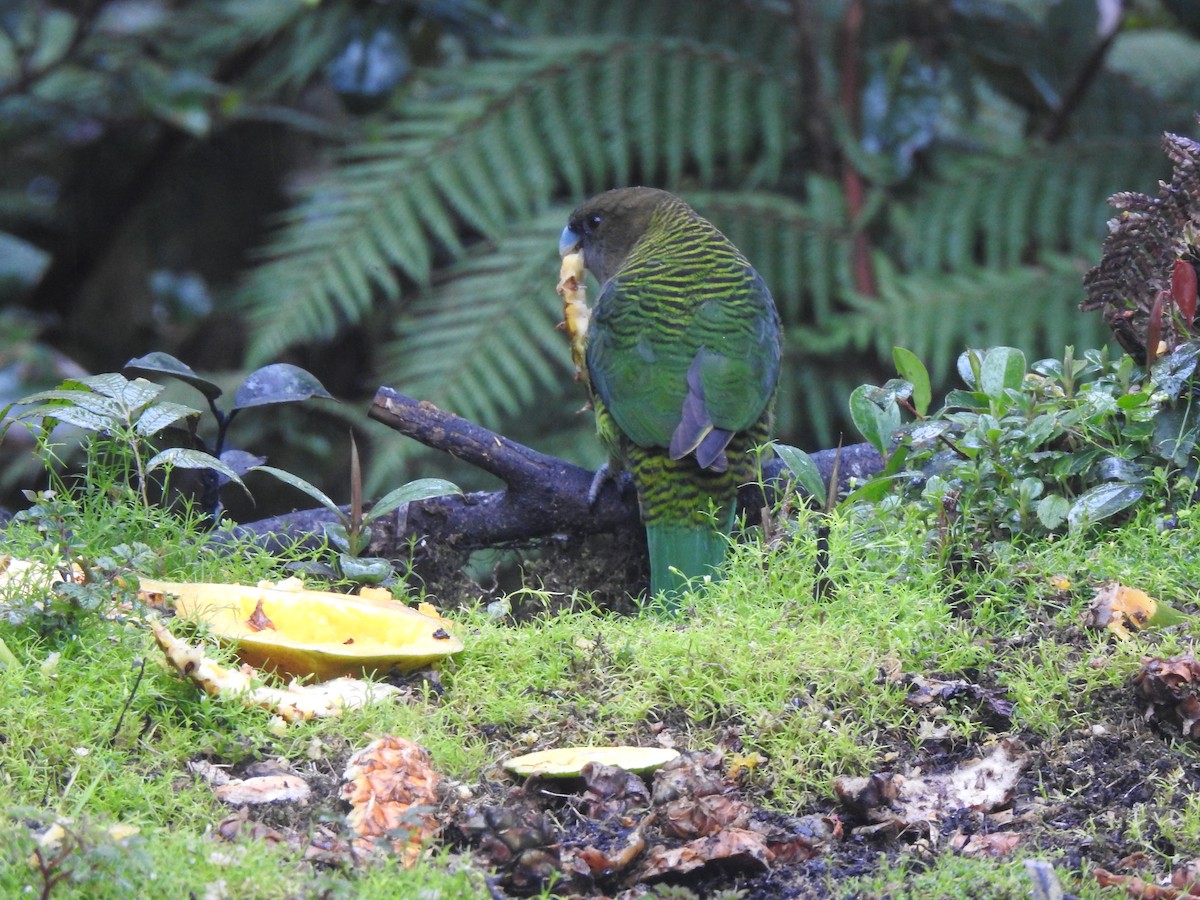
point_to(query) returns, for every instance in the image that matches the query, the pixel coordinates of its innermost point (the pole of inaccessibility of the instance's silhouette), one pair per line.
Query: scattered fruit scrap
(568, 762)
(1171, 687)
(895, 803)
(297, 632)
(392, 790)
(295, 703)
(1123, 610)
(264, 783)
(573, 290)
(21, 577)
(618, 831)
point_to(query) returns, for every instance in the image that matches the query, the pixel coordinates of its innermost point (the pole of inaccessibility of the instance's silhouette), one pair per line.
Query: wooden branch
(544, 496)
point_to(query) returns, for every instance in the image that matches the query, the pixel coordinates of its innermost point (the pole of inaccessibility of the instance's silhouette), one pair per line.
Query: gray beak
(569, 241)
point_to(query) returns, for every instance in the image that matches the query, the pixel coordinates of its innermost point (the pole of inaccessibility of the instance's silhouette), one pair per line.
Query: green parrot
(682, 355)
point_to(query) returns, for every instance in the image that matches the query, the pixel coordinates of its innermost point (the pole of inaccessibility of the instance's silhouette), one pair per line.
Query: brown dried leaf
(689, 818)
(691, 775)
(594, 862)
(1136, 887)
(734, 847)
(611, 791)
(1172, 686)
(1187, 878)
(997, 843)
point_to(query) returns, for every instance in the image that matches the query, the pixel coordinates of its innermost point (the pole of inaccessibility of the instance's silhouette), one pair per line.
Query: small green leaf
(87, 419)
(876, 424)
(421, 489)
(337, 535)
(913, 370)
(805, 469)
(968, 363)
(301, 485)
(6, 656)
(1175, 370)
(1003, 368)
(278, 383)
(159, 363)
(1052, 511)
(1102, 502)
(1030, 489)
(160, 415)
(364, 569)
(1175, 433)
(183, 458)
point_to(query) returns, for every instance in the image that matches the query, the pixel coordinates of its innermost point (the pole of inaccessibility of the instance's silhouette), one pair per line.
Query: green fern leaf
(459, 166)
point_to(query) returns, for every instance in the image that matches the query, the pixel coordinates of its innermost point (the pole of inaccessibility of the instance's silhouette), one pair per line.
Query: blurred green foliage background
(373, 189)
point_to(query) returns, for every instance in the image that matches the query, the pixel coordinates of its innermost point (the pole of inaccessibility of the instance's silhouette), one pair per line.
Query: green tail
(679, 553)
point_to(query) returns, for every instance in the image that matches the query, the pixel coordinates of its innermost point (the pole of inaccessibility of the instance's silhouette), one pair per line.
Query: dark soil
(1074, 804)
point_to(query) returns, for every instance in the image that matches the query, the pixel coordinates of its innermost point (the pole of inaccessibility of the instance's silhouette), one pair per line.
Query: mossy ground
(753, 664)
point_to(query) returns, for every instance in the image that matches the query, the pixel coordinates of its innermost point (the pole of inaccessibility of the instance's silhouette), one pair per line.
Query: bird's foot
(606, 474)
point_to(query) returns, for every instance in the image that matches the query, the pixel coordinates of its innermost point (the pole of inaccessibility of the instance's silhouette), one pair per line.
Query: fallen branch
(544, 496)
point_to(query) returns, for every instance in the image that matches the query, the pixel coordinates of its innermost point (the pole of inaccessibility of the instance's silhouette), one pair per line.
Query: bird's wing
(671, 371)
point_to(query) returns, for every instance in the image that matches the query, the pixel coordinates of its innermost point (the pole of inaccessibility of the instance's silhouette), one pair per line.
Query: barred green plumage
(683, 357)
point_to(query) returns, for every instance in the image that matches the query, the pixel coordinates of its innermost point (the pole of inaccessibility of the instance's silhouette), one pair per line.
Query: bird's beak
(569, 241)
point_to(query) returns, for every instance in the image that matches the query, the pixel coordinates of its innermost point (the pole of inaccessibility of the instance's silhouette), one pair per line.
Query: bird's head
(608, 226)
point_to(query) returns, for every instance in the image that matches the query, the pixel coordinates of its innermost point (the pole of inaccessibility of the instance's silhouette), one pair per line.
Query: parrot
(682, 357)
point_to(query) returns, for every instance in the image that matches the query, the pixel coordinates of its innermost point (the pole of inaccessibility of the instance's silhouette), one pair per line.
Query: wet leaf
(278, 383)
(1003, 368)
(877, 424)
(183, 458)
(913, 370)
(159, 363)
(1173, 372)
(421, 489)
(805, 469)
(1102, 502)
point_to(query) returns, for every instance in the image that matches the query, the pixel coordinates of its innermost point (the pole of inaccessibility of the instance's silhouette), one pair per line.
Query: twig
(1090, 68)
(128, 702)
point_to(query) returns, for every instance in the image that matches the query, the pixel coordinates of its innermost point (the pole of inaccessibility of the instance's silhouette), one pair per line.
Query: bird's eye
(590, 224)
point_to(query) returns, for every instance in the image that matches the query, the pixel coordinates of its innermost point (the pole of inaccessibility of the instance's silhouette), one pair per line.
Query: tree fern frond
(406, 195)
(938, 315)
(996, 211)
(482, 341)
